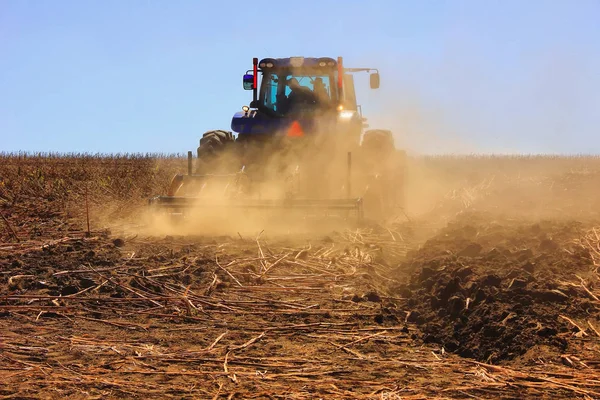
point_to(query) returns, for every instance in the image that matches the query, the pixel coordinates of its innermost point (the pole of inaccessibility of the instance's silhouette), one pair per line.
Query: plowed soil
(492, 292)
(495, 291)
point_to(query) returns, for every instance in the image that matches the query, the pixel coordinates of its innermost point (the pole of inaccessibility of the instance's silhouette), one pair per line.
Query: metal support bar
(360, 210)
(189, 163)
(192, 202)
(211, 176)
(181, 203)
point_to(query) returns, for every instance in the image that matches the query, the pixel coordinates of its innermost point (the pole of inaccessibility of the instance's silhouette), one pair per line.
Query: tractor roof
(297, 62)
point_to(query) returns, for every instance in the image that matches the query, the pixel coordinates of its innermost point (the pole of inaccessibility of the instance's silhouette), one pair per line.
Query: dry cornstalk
(263, 262)
(10, 228)
(593, 328)
(227, 272)
(249, 342)
(366, 338)
(226, 370)
(585, 288)
(212, 346)
(581, 332)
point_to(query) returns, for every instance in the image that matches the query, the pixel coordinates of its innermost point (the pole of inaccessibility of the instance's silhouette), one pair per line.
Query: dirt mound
(492, 291)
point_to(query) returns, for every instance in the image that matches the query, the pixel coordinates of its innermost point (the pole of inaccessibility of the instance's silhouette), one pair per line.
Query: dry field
(489, 290)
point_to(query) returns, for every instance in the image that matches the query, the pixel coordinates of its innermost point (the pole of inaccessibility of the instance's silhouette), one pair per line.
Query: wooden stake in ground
(87, 210)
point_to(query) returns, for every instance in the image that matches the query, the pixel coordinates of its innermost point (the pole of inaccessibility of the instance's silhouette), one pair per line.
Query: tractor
(300, 143)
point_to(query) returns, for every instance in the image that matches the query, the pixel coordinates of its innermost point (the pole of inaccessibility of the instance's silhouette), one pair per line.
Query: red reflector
(295, 130)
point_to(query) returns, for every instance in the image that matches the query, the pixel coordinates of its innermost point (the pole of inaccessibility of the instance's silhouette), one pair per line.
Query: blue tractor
(300, 143)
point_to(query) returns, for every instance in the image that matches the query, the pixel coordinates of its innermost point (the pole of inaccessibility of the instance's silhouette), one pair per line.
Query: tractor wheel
(213, 142)
(212, 146)
(383, 166)
(380, 142)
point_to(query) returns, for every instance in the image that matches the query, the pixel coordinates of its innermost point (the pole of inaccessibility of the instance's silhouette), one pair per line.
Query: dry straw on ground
(115, 314)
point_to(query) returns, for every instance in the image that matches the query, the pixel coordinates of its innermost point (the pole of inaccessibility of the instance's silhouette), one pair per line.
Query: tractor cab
(297, 85)
(297, 91)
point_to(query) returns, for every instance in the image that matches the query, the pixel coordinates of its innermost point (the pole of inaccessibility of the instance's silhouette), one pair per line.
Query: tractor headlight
(270, 65)
(322, 64)
(245, 109)
(346, 114)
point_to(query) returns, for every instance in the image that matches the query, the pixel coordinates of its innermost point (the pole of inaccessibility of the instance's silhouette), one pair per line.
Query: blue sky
(152, 76)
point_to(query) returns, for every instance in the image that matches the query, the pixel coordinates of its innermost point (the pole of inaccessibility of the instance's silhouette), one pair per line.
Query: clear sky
(152, 76)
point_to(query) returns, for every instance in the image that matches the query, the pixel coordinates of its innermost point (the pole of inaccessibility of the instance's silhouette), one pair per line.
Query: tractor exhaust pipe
(255, 85)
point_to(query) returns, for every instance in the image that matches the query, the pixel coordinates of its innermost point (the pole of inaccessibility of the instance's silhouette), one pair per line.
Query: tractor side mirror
(248, 82)
(374, 80)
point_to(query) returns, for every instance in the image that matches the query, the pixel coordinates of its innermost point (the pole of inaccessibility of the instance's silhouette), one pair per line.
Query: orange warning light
(295, 130)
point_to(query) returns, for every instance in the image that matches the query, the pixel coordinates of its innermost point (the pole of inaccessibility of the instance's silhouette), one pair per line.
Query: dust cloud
(465, 129)
(463, 152)
(230, 203)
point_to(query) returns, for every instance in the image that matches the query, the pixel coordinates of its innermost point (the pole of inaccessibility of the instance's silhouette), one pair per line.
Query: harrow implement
(180, 204)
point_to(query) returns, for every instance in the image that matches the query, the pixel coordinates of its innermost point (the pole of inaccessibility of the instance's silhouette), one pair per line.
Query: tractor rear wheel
(212, 146)
(213, 142)
(384, 167)
(380, 142)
